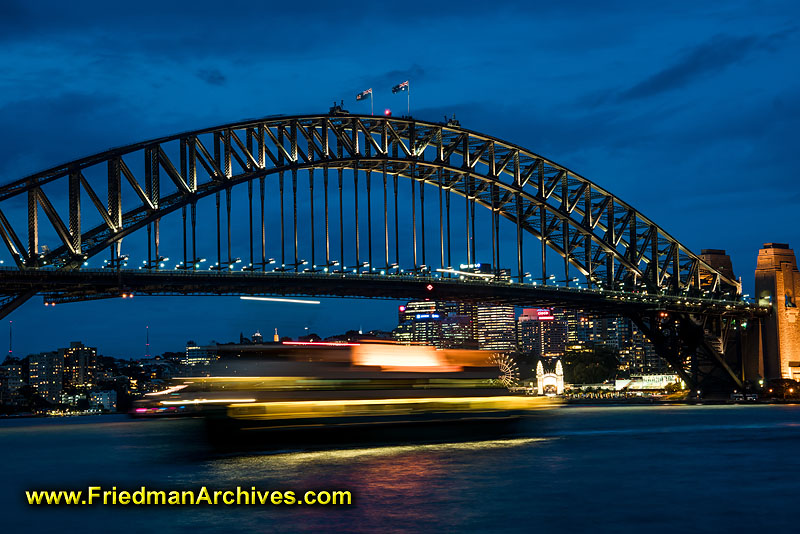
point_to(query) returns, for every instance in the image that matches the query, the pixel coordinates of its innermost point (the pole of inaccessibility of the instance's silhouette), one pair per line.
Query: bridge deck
(66, 286)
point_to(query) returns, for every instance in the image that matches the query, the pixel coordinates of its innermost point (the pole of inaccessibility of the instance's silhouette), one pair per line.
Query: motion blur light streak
(321, 343)
(275, 299)
(167, 391)
(207, 401)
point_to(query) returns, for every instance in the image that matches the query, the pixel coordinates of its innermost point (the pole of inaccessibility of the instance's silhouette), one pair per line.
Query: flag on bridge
(400, 87)
(363, 95)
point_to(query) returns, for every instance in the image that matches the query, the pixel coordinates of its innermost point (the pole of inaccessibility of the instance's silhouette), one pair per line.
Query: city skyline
(613, 106)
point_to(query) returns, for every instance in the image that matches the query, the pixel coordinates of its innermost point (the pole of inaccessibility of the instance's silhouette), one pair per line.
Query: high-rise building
(495, 327)
(80, 364)
(46, 375)
(778, 284)
(550, 333)
(441, 324)
(457, 332)
(543, 332)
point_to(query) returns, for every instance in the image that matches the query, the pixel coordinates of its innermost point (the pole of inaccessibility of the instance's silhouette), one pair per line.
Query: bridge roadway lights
(77, 285)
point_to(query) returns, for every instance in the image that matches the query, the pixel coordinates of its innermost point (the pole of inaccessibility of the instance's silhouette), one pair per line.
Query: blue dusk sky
(689, 111)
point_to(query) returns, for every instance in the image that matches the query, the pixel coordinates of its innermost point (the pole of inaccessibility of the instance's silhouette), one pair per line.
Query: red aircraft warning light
(387, 112)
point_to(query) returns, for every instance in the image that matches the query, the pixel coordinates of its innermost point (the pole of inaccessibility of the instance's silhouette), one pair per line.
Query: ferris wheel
(509, 372)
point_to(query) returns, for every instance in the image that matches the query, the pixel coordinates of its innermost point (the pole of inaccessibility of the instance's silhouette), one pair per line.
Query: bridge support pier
(700, 349)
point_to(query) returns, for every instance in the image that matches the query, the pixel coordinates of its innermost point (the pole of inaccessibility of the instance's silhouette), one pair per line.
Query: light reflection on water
(600, 468)
(344, 455)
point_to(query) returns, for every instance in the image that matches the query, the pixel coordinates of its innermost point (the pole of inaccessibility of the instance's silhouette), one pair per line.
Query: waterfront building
(11, 381)
(107, 400)
(653, 382)
(46, 372)
(197, 355)
(80, 364)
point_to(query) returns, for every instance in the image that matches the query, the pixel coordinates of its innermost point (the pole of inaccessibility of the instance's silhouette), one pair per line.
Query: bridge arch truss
(609, 243)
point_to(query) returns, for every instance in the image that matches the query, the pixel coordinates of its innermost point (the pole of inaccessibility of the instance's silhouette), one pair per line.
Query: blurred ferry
(347, 391)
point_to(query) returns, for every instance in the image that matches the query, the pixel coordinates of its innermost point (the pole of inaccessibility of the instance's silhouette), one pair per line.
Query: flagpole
(371, 104)
(409, 99)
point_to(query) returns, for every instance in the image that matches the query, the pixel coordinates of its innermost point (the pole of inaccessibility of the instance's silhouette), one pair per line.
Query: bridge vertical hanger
(311, 204)
(249, 141)
(385, 147)
(219, 236)
(565, 223)
(192, 182)
(281, 165)
(218, 162)
(441, 218)
(368, 180)
(339, 152)
(422, 220)
(326, 150)
(449, 248)
(633, 245)
(153, 193)
(413, 179)
(33, 227)
(611, 239)
(654, 253)
(228, 173)
(356, 154)
(587, 240)
(357, 263)
(75, 209)
(115, 203)
(294, 218)
(542, 221)
(490, 155)
(473, 236)
(293, 142)
(395, 150)
(413, 217)
(229, 263)
(185, 173)
(260, 137)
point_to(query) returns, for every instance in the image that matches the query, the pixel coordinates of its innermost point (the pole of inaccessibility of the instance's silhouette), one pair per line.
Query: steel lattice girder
(603, 237)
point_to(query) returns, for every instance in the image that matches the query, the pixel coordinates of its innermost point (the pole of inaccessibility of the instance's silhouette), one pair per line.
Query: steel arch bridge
(614, 257)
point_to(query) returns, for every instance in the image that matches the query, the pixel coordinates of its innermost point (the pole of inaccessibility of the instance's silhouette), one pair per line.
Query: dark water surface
(578, 469)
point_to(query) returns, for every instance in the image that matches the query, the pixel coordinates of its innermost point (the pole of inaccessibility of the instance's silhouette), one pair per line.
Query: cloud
(393, 77)
(211, 76)
(705, 59)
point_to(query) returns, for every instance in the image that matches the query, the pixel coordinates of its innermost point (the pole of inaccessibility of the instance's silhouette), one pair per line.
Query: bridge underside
(698, 337)
(75, 285)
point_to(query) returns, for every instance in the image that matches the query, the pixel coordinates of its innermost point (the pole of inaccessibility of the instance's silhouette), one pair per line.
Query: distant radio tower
(147, 341)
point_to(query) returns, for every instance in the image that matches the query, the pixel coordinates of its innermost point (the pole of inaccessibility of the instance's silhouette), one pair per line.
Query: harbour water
(576, 469)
